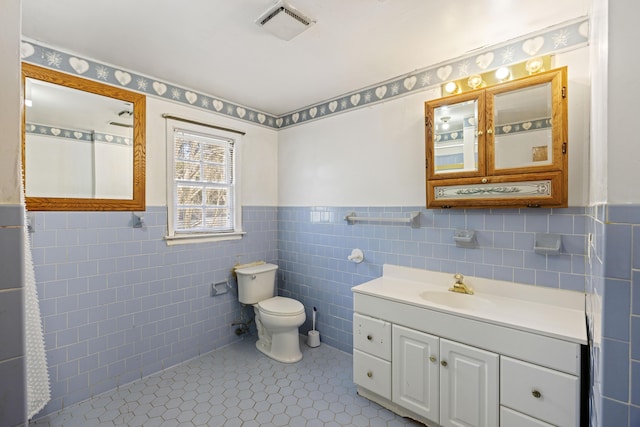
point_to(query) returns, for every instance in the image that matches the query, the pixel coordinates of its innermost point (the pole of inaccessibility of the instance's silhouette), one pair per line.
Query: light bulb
(451, 87)
(474, 81)
(502, 73)
(534, 65)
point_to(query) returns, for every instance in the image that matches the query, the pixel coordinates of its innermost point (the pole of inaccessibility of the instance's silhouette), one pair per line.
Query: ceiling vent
(284, 21)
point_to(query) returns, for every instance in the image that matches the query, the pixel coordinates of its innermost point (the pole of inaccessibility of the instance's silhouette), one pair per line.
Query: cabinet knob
(480, 133)
(444, 363)
(536, 394)
(489, 131)
(369, 337)
(433, 359)
(369, 374)
(484, 180)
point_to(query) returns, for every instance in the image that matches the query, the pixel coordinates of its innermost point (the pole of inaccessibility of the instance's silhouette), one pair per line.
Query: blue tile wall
(314, 242)
(118, 303)
(615, 277)
(13, 409)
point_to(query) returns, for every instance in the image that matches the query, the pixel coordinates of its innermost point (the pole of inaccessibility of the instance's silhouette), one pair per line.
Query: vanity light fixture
(284, 21)
(496, 76)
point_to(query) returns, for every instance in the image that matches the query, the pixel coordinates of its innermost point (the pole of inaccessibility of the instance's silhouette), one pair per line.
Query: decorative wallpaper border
(48, 57)
(512, 128)
(76, 135)
(562, 37)
(528, 126)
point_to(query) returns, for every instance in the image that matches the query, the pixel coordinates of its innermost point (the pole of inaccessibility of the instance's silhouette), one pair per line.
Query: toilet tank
(256, 283)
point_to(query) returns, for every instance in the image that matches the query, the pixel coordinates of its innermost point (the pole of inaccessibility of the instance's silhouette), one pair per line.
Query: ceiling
(214, 46)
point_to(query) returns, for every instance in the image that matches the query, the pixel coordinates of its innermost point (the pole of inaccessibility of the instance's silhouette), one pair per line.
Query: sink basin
(456, 300)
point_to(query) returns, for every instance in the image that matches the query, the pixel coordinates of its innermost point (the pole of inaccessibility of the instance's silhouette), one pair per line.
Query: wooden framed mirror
(83, 144)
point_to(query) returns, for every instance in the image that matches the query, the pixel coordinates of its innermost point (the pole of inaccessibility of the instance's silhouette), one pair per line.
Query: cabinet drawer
(543, 393)
(510, 418)
(372, 336)
(372, 373)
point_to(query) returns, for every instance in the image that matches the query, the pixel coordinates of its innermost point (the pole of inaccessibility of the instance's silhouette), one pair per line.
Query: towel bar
(413, 219)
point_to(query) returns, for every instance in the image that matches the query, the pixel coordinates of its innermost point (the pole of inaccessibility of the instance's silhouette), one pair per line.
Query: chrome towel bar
(413, 219)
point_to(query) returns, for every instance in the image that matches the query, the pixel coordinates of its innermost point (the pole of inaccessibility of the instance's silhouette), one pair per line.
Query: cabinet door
(468, 386)
(415, 372)
(454, 146)
(526, 124)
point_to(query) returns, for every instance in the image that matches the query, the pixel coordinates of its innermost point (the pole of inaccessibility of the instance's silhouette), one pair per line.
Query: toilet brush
(313, 336)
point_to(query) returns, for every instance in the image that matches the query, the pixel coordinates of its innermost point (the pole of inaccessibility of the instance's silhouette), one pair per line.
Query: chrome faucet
(459, 286)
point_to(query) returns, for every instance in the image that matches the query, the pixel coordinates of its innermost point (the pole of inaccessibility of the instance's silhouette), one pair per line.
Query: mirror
(83, 144)
(523, 127)
(455, 140)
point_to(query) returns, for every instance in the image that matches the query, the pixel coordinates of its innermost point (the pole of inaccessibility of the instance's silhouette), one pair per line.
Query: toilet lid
(281, 306)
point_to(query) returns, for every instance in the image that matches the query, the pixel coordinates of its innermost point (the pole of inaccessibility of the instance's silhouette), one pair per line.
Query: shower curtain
(37, 375)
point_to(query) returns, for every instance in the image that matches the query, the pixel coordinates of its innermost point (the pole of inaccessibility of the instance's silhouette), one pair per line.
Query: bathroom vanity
(509, 355)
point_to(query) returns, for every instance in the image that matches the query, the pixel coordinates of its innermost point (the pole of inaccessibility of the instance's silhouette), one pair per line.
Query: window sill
(184, 239)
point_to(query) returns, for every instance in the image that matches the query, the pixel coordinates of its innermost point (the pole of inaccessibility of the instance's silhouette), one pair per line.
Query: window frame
(175, 236)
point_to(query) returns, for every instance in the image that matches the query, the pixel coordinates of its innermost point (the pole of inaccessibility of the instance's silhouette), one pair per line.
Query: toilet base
(292, 356)
(278, 336)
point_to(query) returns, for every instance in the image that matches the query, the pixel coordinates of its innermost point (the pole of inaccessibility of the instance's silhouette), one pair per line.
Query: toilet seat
(281, 306)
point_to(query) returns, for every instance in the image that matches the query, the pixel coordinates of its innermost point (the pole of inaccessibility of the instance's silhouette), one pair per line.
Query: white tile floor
(236, 386)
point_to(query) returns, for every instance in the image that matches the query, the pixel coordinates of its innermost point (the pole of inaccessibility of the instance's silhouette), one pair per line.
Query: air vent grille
(284, 21)
(291, 13)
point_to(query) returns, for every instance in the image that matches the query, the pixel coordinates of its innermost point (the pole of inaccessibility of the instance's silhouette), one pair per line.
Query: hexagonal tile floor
(236, 386)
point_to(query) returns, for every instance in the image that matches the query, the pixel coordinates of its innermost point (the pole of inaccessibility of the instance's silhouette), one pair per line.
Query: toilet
(277, 318)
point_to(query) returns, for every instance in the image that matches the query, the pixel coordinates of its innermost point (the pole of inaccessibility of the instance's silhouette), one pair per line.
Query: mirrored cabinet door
(525, 126)
(454, 136)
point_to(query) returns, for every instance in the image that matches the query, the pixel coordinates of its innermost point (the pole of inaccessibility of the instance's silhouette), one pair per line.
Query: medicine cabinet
(503, 146)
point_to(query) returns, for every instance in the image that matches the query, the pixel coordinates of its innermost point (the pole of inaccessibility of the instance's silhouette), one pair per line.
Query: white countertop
(551, 312)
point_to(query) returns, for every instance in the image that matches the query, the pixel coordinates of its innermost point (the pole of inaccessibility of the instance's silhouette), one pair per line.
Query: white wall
(622, 107)
(375, 156)
(371, 156)
(9, 114)
(259, 154)
(58, 167)
(599, 76)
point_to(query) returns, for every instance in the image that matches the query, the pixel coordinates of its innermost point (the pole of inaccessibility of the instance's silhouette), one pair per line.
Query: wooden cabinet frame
(489, 186)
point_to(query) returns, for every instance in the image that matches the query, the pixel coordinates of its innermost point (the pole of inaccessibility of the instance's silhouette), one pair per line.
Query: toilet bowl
(277, 318)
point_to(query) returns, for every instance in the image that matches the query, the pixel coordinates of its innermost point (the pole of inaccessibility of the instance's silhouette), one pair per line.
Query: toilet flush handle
(253, 277)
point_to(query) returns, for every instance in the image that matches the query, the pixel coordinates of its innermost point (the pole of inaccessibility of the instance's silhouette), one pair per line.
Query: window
(202, 187)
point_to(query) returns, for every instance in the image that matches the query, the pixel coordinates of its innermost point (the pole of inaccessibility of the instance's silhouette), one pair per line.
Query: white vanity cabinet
(450, 383)
(451, 368)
